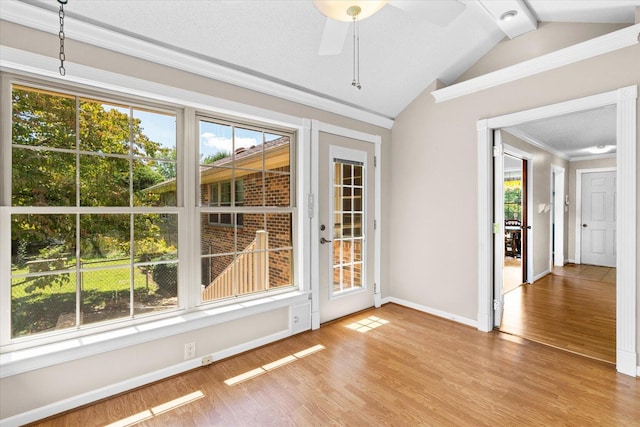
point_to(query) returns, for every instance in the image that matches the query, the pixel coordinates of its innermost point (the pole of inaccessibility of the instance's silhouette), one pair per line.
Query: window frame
(57, 346)
(133, 103)
(239, 211)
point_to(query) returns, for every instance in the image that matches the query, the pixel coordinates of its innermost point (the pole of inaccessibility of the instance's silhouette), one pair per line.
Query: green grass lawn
(45, 303)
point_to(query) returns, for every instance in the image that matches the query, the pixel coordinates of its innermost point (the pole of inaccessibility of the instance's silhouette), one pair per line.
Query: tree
(48, 167)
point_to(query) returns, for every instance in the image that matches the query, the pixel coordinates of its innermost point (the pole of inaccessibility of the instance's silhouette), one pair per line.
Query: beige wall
(35, 389)
(573, 166)
(433, 248)
(549, 37)
(541, 220)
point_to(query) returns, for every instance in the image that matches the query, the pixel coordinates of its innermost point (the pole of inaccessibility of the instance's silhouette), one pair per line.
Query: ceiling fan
(340, 13)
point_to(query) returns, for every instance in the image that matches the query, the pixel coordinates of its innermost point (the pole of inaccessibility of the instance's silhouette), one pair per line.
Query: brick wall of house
(219, 239)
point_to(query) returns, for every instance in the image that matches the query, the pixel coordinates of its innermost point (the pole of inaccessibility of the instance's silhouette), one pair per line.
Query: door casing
(625, 100)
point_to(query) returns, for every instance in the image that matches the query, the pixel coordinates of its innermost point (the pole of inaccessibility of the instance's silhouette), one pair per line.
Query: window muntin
(72, 264)
(348, 232)
(220, 194)
(247, 169)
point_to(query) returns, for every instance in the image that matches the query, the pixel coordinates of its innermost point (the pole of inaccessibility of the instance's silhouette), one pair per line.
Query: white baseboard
(627, 362)
(223, 354)
(123, 386)
(541, 275)
(570, 261)
(435, 312)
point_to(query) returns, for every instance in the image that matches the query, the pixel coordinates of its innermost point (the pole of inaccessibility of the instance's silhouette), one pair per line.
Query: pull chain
(61, 36)
(354, 11)
(356, 55)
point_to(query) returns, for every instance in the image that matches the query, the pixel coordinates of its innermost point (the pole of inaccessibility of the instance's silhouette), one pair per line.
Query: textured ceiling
(573, 134)
(401, 53)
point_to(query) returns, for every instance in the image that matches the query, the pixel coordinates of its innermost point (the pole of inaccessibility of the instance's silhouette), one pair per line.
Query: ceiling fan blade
(438, 12)
(333, 37)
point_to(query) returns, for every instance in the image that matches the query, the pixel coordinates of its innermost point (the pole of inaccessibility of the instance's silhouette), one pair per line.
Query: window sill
(21, 361)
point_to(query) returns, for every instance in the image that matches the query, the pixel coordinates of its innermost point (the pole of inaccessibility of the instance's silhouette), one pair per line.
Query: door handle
(584, 225)
(323, 240)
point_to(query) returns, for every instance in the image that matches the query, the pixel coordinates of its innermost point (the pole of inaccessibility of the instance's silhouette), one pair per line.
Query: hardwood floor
(401, 367)
(511, 273)
(573, 309)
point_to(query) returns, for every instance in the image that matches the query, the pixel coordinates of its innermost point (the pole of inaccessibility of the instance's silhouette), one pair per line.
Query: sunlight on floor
(367, 324)
(157, 410)
(273, 365)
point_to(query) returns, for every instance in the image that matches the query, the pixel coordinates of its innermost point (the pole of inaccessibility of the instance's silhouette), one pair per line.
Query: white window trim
(28, 64)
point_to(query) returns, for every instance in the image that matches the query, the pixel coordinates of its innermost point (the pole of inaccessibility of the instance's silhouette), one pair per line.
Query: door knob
(584, 225)
(323, 240)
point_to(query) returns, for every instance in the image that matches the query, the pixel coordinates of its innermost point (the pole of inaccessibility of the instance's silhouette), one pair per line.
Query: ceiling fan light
(338, 9)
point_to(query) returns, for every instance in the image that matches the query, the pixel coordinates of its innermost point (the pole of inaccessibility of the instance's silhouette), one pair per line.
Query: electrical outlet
(189, 350)
(207, 360)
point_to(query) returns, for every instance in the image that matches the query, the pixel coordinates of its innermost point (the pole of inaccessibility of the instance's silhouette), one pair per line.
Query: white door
(346, 211)
(498, 228)
(598, 237)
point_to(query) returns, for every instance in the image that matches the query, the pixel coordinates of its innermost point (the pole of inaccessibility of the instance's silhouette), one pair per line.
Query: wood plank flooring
(405, 368)
(573, 309)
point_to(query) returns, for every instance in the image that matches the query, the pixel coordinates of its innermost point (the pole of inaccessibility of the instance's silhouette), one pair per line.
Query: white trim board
(591, 48)
(45, 20)
(432, 311)
(625, 100)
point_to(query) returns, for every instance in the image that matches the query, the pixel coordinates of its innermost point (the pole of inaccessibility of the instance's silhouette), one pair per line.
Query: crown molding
(47, 21)
(535, 142)
(620, 39)
(593, 157)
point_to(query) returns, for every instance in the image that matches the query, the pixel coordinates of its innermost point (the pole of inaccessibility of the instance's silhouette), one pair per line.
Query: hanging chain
(353, 83)
(356, 54)
(61, 36)
(359, 86)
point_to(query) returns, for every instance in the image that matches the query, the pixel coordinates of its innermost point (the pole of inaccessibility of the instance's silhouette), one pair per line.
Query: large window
(93, 209)
(93, 239)
(248, 172)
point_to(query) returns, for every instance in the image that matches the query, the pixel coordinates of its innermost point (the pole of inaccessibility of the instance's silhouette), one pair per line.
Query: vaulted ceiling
(401, 52)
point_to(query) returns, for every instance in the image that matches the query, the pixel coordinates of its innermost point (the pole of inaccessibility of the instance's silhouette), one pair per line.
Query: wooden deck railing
(250, 270)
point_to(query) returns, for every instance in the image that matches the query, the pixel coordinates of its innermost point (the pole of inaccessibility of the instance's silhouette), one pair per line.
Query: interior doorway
(624, 100)
(514, 270)
(511, 220)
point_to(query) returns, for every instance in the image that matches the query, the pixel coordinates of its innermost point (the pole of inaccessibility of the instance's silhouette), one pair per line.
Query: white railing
(249, 273)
